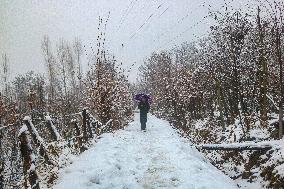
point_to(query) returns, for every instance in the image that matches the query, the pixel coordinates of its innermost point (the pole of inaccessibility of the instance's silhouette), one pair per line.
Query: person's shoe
(144, 130)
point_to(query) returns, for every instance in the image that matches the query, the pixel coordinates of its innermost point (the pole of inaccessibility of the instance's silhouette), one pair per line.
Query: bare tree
(5, 73)
(78, 49)
(50, 63)
(277, 32)
(262, 69)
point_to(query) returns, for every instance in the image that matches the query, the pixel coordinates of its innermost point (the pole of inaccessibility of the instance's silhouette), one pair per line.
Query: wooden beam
(234, 148)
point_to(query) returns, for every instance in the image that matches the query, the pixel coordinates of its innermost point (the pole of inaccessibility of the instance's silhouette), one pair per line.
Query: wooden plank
(234, 148)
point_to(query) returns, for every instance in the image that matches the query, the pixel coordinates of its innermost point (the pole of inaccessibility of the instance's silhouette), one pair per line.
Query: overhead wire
(124, 13)
(186, 30)
(163, 12)
(141, 26)
(174, 25)
(180, 34)
(149, 18)
(177, 23)
(149, 24)
(138, 12)
(146, 21)
(127, 12)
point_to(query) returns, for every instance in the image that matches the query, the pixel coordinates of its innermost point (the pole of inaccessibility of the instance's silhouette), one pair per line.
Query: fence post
(28, 159)
(78, 135)
(89, 124)
(98, 129)
(84, 125)
(55, 135)
(38, 140)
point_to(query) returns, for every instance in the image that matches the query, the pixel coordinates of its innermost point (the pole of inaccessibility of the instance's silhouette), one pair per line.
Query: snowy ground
(131, 159)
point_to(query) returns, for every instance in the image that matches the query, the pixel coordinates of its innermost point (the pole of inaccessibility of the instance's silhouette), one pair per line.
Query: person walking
(144, 109)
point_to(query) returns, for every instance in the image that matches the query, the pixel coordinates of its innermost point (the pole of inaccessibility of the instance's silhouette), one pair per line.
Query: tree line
(61, 94)
(235, 72)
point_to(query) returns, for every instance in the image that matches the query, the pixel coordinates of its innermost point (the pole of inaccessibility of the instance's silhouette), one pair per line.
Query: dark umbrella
(139, 97)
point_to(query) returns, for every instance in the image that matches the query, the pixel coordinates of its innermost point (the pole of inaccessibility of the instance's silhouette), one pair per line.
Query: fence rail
(37, 154)
(235, 147)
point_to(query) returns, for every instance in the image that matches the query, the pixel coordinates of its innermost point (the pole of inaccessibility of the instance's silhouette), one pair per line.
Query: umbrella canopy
(139, 97)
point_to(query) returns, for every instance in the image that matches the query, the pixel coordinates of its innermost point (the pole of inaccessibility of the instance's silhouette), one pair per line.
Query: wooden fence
(38, 155)
(236, 147)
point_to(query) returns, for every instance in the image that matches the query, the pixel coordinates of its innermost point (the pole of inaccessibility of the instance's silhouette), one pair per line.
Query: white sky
(23, 23)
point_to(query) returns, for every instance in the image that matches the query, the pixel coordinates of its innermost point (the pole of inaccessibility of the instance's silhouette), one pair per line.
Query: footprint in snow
(118, 166)
(95, 180)
(67, 171)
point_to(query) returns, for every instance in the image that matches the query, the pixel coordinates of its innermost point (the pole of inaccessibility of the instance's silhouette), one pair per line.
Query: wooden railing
(236, 146)
(39, 156)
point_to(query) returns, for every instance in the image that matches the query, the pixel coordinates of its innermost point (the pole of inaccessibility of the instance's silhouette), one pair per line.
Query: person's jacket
(144, 107)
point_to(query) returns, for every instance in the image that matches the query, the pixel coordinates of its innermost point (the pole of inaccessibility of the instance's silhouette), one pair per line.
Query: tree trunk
(262, 69)
(279, 56)
(220, 103)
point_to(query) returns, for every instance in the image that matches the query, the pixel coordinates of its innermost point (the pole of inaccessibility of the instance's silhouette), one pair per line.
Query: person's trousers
(143, 120)
(143, 125)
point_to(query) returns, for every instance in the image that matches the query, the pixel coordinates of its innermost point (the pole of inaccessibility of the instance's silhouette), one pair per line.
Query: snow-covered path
(131, 159)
